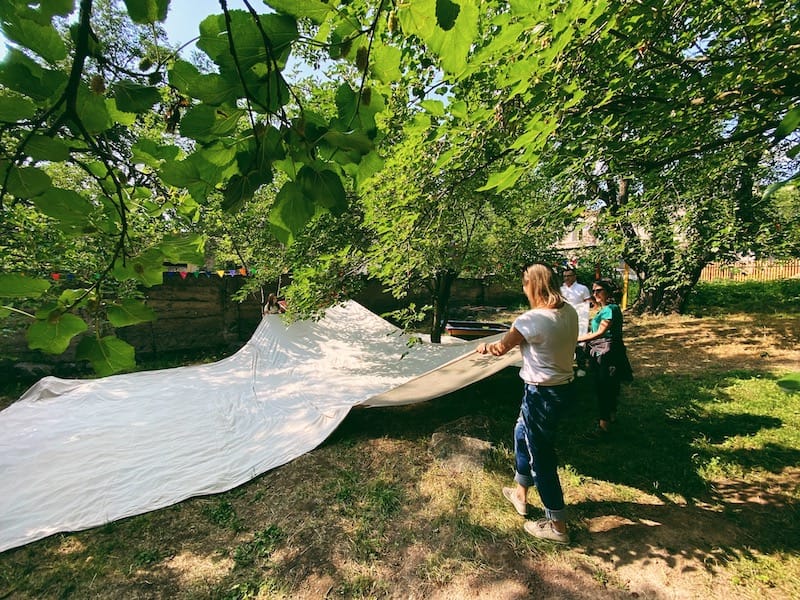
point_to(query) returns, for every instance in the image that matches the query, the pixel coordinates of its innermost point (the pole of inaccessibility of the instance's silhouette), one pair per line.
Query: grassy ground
(696, 496)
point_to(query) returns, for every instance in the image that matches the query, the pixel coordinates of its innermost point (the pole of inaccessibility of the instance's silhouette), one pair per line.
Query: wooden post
(625, 276)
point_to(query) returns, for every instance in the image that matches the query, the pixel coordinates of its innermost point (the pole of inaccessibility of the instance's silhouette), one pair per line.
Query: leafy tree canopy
(623, 88)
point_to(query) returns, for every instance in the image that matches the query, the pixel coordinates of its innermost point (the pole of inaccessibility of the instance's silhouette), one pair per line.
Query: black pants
(606, 383)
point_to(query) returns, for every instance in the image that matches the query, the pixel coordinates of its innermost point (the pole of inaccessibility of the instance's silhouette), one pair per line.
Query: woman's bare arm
(604, 325)
(510, 340)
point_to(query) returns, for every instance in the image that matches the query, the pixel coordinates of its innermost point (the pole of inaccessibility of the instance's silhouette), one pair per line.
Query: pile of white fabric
(79, 453)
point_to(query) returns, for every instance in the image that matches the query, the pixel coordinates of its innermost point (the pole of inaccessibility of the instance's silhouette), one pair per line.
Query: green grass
(717, 448)
(753, 297)
(678, 437)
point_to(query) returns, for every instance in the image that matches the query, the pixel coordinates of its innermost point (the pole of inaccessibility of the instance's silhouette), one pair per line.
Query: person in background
(579, 296)
(608, 359)
(272, 307)
(575, 293)
(546, 335)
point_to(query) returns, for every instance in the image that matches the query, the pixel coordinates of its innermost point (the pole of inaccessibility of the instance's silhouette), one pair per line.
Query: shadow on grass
(669, 430)
(742, 520)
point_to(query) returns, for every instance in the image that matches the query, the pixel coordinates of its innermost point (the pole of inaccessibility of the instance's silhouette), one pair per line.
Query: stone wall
(194, 314)
(198, 315)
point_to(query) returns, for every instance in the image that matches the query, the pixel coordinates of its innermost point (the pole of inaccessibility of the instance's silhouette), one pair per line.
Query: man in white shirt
(575, 293)
(579, 296)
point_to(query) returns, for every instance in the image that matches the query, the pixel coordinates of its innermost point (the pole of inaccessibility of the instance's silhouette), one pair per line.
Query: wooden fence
(758, 270)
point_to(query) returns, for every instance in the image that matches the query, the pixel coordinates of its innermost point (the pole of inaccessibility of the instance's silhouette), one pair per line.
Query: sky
(183, 18)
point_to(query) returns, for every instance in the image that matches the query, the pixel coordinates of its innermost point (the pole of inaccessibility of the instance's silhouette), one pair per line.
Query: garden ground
(696, 496)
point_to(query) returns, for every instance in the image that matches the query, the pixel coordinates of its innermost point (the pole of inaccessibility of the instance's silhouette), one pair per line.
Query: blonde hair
(542, 283)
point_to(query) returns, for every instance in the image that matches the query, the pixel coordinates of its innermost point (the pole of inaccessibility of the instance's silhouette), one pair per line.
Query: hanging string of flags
(182, 274)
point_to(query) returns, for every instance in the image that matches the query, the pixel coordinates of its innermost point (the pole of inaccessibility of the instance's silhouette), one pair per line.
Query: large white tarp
(79, 453)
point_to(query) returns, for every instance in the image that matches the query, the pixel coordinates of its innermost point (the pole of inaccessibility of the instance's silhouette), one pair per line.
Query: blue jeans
(535, 456)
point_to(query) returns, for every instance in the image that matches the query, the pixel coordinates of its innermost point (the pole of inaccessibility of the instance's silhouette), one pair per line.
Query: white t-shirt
(575, 294)
(549, 347)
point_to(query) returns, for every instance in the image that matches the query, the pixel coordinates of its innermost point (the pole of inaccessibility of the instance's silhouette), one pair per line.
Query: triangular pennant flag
(232, 272)
(221, 273)
(196, 274)
(183, 274)
(55, 276)
(242, 271)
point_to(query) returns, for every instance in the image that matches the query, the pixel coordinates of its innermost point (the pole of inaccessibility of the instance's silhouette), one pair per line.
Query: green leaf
(16, 108)
(117, 116)
(148, 268)
(503, 180)
(355, 115)
(386, 65)
(21, 74)
(315, 10)
(324, 188)
(789, 123)
(13, 285)
(199, 173)
(147, 11)
(27, 182)
(458, 109)
(241, 188)
(69, 208)
(211, 89)
(41, 147)
(61, 8)
(92, 111)
(434, 107)
(524, 7)
(251, 50)
(130, 312)
(205, 122)
(69, 296)
(134, 98)
(41, 38)
(184, 248)
(351, 140)
(369, 165)
(53, 335)
(291, 212)
(108, 355)
(420, 18)
(446, 14)
(150, 153)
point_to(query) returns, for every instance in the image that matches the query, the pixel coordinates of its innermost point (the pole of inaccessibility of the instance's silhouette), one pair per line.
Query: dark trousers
(606, 384)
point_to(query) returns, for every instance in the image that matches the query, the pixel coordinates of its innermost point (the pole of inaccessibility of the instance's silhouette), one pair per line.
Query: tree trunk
(440, 292)
(667, 292)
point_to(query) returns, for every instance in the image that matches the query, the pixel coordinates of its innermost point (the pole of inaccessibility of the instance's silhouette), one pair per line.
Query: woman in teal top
(608, 359)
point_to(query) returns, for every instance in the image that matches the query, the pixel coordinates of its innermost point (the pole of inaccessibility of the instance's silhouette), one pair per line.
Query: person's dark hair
(608, 286)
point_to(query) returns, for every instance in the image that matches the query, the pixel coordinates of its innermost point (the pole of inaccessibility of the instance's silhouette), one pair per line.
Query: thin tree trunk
(442, 284)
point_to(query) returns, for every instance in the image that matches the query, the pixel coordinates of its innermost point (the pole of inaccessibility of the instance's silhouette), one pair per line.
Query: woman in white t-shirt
(546, 335)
